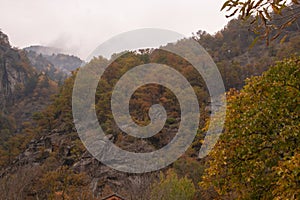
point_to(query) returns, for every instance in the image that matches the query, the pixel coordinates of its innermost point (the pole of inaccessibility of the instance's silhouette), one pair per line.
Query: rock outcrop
(15, 72)
(23, 89)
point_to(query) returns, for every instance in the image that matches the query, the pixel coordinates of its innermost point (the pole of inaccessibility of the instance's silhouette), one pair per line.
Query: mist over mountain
(52, 62)
(43, 50)
(42, 156)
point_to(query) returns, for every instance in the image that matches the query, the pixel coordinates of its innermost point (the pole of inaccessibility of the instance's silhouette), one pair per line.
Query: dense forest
(256, 157)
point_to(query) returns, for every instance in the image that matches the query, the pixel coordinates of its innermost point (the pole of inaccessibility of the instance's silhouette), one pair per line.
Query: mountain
(66, 63)
(42, 65)
(15, 73)
(23, 91)
(19, 80)
(51, 61)
(54, 164)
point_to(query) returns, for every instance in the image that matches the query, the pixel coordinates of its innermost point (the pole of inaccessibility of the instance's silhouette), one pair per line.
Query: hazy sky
(79, 26)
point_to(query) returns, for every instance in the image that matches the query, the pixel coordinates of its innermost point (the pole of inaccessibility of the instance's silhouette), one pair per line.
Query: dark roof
(114, 195)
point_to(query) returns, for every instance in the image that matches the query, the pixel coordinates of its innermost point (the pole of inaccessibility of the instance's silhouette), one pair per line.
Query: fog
(79, 26)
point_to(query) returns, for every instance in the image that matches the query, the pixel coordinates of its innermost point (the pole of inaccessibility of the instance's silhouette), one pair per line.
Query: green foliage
(171, 187)
(7, 127)
(257, 156)
(58, 115)
(14, 145)
(288, 172)
(171, 121)
(189, 167)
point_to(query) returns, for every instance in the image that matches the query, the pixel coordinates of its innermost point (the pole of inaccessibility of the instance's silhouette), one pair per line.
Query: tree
(18, 185)
(271, 17)
(171, 187)
(257, 157)
(63, 183)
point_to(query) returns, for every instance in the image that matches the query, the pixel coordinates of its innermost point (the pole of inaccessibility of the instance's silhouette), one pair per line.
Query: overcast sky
(79, 26)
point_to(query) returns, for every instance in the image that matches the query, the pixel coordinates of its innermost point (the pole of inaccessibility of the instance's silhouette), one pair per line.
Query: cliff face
(15, 73)
(24, 90)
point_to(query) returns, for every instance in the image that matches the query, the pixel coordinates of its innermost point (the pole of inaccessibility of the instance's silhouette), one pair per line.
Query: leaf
(225, 5)
(232, 14)
(254, 42)
(250, 8)
(262, 17)
(275, 8)
(258, 4)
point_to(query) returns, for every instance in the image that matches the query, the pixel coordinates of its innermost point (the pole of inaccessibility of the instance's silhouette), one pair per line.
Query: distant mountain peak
(52, 61)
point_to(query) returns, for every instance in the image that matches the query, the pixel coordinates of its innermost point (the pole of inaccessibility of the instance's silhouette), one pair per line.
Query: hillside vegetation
(257, 157)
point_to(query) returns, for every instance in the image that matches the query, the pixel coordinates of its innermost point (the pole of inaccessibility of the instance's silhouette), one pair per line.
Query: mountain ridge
(55, 149)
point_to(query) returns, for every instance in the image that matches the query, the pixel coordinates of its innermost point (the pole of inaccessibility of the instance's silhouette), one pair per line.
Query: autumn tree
(171, 187)
(257, 157)
(63, 183)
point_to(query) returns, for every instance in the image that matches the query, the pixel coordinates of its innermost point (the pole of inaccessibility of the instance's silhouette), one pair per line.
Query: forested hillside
(257, 157)
(23, 92)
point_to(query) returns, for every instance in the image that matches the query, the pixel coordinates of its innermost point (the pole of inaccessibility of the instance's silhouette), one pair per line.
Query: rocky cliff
(23, 90)
(15, 73)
